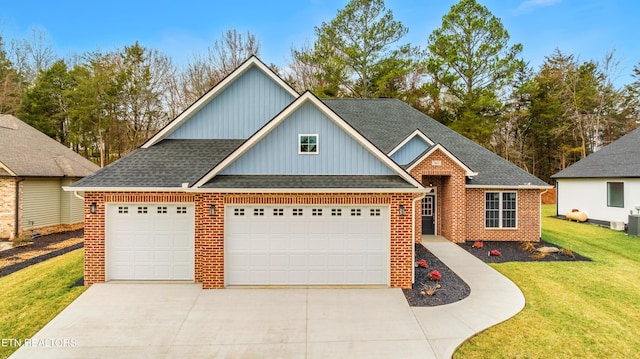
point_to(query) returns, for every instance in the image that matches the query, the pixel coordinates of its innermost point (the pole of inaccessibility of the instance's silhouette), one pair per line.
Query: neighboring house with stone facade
(605, 185)
(33, 170)
(256, 184)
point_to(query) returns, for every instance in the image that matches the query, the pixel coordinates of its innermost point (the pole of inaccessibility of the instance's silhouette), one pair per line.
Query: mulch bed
(511, 252)
(47, 247)
(452, 288)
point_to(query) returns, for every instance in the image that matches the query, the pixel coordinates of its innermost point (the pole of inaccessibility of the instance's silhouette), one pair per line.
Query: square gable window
(307, 144)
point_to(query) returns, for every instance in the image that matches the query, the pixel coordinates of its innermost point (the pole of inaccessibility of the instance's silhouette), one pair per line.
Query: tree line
(468, 76)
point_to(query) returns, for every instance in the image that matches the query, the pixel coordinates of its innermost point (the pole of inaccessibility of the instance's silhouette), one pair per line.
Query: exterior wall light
(401, 209)
(212, 210)
(93, 208)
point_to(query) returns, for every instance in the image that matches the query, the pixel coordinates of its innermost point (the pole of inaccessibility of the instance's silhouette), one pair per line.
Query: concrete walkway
(161, 320)
(493, 299)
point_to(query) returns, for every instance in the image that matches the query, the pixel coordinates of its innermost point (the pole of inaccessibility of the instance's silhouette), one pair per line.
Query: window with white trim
(615, 194)
(500, 209)
(307, 144)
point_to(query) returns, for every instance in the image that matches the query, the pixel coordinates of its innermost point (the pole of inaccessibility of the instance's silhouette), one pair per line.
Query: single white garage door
(150, 241)
(306, 245)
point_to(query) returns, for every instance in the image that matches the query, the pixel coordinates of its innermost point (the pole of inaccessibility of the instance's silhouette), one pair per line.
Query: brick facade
(460, 210)
(209, 230)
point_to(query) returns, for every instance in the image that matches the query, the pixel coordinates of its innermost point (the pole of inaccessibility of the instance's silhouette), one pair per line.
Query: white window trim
(300, 135)
(500, 210)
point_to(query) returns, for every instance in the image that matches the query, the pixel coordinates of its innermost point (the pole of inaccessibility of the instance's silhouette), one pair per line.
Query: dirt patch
(512, 252)
(41, 249)
(452, 288)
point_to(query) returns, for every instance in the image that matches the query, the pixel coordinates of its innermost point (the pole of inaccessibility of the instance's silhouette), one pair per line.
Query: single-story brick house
(33, 169)
(605, 185)
(256, 184)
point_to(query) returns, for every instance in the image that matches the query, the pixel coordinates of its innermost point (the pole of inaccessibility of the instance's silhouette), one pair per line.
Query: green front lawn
(31, 297)
(574, 309)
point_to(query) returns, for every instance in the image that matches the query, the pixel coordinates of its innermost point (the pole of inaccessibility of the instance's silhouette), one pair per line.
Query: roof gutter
(523, 186)
(308, 190)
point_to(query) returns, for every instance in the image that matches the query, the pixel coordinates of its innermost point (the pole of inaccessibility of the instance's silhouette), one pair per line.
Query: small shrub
(539, 255)
(428, 289)
(23, 240)
(434, 275)
(422, 263)
(495, 253)
(528, 247)
(567, 252)
(477, 244)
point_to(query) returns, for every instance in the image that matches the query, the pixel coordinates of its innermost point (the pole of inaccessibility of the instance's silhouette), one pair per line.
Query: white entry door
(307, 245)
(150, 241)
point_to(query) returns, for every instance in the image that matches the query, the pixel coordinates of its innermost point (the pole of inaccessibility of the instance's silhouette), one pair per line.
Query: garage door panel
(150, 242)
(334, 246)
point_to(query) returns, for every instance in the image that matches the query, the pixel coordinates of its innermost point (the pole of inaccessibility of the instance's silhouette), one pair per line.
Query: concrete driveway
(121, 320)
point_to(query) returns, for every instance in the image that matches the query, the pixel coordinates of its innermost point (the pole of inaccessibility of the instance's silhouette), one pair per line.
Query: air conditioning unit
(617, 225)
(634, 225)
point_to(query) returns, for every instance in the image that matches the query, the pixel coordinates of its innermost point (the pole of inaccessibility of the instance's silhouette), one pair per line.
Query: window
(356, 211)
(336, 212)
(258, 211)
(297, 211)
(181, 210)
(162, 209)
(316, 212)
(374, 212)
(123, 209)
(308, 144)
(238, 211)
(142, 210)
(615, 194)
(500, 209)
(278, 212)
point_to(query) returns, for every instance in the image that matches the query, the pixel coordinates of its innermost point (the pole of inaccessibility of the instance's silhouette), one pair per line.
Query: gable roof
(345, 126)
(387, 122)
(414, 134)
(167, 164)
(215, 91)
(621, 158)
(432, 149)
(27, 152)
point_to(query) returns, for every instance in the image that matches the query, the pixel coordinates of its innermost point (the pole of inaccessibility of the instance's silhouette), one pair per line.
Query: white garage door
(306, 245)
(150, 241)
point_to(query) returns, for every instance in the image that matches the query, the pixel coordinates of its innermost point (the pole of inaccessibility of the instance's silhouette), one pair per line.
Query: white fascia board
(307, 96)
(122, 189)
(215, 91)
(468, 171)
(309, 190)
(409, 138)
(523, 186)
(9, 171)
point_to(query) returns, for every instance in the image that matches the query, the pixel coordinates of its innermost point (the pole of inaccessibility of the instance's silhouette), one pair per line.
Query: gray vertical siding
(41, 203)
(410, 150)
(239, 111)
(277, 153)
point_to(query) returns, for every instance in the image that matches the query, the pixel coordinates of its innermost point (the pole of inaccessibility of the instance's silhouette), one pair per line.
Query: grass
(31, 297)
(573, 309)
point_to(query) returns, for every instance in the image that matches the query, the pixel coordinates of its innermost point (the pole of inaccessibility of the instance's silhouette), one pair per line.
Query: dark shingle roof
(621, 158)
(169, 163)
(386, 122)
(26, 151)
(306, 181)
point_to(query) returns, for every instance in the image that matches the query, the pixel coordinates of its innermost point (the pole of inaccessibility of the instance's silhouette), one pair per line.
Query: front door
(428, 212)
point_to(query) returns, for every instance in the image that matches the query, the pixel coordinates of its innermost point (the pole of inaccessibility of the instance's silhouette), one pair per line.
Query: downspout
(16, 228)
(541, 193)
(413, 235)
(75, 193)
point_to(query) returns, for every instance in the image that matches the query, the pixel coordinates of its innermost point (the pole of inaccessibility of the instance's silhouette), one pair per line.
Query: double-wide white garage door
(306, 245)
(150, 241)
(264, 244)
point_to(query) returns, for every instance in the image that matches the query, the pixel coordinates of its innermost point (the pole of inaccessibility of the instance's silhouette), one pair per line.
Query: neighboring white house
(605, 185)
